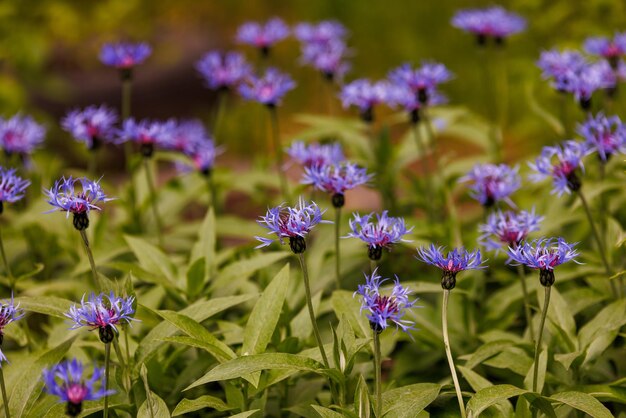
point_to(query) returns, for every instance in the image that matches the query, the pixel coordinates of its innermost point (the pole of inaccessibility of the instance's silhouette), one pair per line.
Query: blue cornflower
(560, 162)
(365, 95)
(323, 32)
(9, 312)
(329, 58)
(561, 67)
(490, 183)
(543, 254)
(316, 154)
(508, 228)
(148, 134)
(223, 70)
(403, 96)
(291, 222)
(12, 187)
(262, 36)
(102, 312)
(66, 381)
(459, 259)
(183, 136)
(422, 81)
(491, 22)
(203, 156)
(20, 135)
(124, 55)
(336, 179)
(64, 196)
(590, 78)
(604, 135)
(91, 125)
(385, 310)
(377, 235)
(611, 49)
(269, 89)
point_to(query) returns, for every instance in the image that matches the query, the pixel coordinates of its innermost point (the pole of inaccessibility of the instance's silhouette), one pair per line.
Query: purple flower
(223, 70)
(422, 81)
(508, 228)
(183, 136)
(589, 79)
(611, 49)
(124, 55)
(365, 95)
(203, 156)
(561, 67)
(403, 96)
(102, 312)
(492, 22)
(560, 162)
(148, 134)
(323, 32)
(91, 125)
(329, 58)
(377, 235)
(336, 179)
(269, 89)
(491, 183)
(316, 154)
(66, 381)
(543, 254)
(262, 36)
(459, 259)
(293, 223)
(385, 310)
(604, 135)
(9, 312)
(12, 187)
(20, 135)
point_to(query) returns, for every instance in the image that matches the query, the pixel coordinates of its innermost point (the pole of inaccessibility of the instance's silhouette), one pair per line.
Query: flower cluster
(543, 254)
(20, 135)
(223, 70)
(561, 163)
(491, 22)
(336, 179)
(459, 259)
(377, 235)
(365, 95)
(12, 187)
(323, 47)
(92, 125)
(508, 228)
(604, 135)
(124, 55)
(268, 89)
(491, 183)
(262, 36)
(102, 312)
(9, 312)
(313, 154)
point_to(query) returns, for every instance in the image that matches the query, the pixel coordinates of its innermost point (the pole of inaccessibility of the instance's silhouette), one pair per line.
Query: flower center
(76, 393)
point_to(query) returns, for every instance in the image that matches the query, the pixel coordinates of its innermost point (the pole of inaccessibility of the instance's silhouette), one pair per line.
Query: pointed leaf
(151, 258)
(408, 401)
(484, 398)
(206, 401)
(583, 402)
(47, 305)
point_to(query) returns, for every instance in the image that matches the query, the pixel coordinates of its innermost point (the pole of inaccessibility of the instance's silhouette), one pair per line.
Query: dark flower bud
(81, 221)
(585, 103)
(546, 277)
(73, 409)
(489, 201)
(573, 182)
(499, 41)
(375, 252)
(1, 207)
(338, 200)
(448, 280)
(95, 143)
(375, 326)
(297, 244)
(481, 39)
(106, 334)
(147, 149)
(414, 116)
(422, 95)
(126, 74)
(368, 115)
(206, 172)
(265, 51)
(328, 75)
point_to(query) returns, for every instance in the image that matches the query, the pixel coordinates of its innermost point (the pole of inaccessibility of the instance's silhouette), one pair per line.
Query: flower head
(66, 381)
(9, 312)
(148, 134)
(492, 22)
(385, 310)
(561, 163)
(329, 58)
(490, 183)
(262, 36)
(590, 78)
(604, 135)
(314, 153)
(183, 136)
(21, 135)
(336, 179)
(102, 312)
(365, 95)
(422, 81)
(223, 70)
(543, 254)
(611, 49)
(382, 233)
(403, 96)
(508, 228)
(291, 222)
(323, 32)
(269, 89)
(91, 125)
(561, 67)
(459, 259)
(124, 55)
(12, 187)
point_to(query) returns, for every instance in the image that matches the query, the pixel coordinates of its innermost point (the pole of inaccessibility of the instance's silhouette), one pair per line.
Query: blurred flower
(561, 67)
(611, 49)
(12, 187)
(124, 55)
(590, 78)
(91, 125)
(148, 134)
(291, 222)
(20, 135)
(323, 32)
(269, 89)
(568, 158)
(422, 81)
(365, 95)
(316, 154)
(385, 310)
(490, 183)
(377, 235)
(262, 36)
(102, 312)
(492, 22)
(459, 259)
(543, 254)
(402, 96)
(183, 136)
(508, 228)
(203, 156)
(223, 70)
(336, 179)
(9, 312)
(604, 135)
(66, 381)
(329, 58)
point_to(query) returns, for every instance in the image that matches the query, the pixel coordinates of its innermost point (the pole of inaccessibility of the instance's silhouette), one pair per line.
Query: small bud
(147, 149)
(81, 221)
(206, 172)
(297, 244)
(448, 280)
(1, 207)
(375, 326)
(95, 143)
(338, 200)
(265, 51)
(422, 95)
(546, 277)
(375, 253)
(489, 201)
(574, 182)
(126, 74)
(106, 334)
(414, 116)
(585, 104)
(368, 115)
(73, 409)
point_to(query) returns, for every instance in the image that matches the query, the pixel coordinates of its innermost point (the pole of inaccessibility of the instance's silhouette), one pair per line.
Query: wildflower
(223, 70)
(589, 79)
(323, 32)
(329, 58)
(64, 196)
(492, 22)
(365, 95)
(561, 67)
(611, 49)
(183, 136)
(20, 135)
(336, 179)
(604, 135)
(262, 36)
(410, 102)
(377, 235)
(422, 81)
(12, 187)
(491, 183)
(124, 56)
(91, 125)
(102, 312)
(66, 381)
(291, 222)
(385, 310)
(508, 228)
(543, 254)
(269, 89)
(313, 154)
(202, 155)
(148, 134)
(563, 171)
(459, 259)
(9, 312)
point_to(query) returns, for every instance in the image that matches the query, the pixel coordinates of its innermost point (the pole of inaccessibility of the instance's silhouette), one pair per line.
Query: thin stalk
(128, 359)
(527, 311)
(378, 378)
(212, 191)
(153, 200)
(544, 313)
(421, 149)
(92, 263)
(492, 112)
(128, 149)
(373, 266)
(107, 364)
(446, 342)
(337, 248)
(278, 153)
(93, 163)
(5, 399)
(222, 98)
(7, 266)
(309, 303)
(330, 96)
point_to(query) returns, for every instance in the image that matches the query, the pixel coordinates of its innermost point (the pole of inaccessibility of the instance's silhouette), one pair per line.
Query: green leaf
(487, 397)
(153, 406)
(151, 258)
(487, 351)
(243, 268)
(362, 403)
(205, 246)
(47, 305)
(541, 372)
(346, 305)
(206, 401)
(245, 414)
(477, 382)
(196, 276)
(583, 402)
(301, 326)
(610, 318)
(326, 412)
(407, 401)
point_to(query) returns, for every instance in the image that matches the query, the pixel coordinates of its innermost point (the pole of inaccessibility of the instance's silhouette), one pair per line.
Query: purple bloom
(604, 135)
(269, 89)
(411, 103)
(385, 310)
(543, 254)
(561, 67)
(223, 71)
(508, 228)
(491, 183)
(316, 154)
(9, 312)
(91, 125)
(328, 58)
(323, 32)
(422, 81)
(560, 162)
(20, 135)
(12, 187)
(148, 134)
(262, 36)
(365, 95)
(124, 55)
(336, 179)
(611, 49)
(102, 312)
(291, 222)
(455, 261)
(377, 235)
(183, 136)
(492, 22)
(203, 156)
(589, 79)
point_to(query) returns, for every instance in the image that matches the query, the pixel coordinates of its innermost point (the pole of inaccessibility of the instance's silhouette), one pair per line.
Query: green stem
(92, 263)
(153, 200)
(7, 266)
(222, 97)
(93, 163)
(373, 266)
(244, 390)
(212, 191)
(337, 248)
(378, 378)
(128, 150)
(421, 149)
(490, 104)
(128, 359)
(278, 153)
(5, 398)
(107, 364)
(309, 303)
(527, 311)
(446, 342)
(544, 313)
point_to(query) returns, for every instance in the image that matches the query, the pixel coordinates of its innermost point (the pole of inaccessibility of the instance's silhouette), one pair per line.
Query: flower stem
(212, 192)
(421, 149)
(373, 266)
(93, 163)
(128, 359)
(107, 364)
(92, 263)
(544, 313)
(278, 153)
(309, 303)
(5, 399)
(337, 248)
(128, 149)
(222, 97)
(153, 200)
(7, 266)
(378, 378)
(446, 342)
(527, 311)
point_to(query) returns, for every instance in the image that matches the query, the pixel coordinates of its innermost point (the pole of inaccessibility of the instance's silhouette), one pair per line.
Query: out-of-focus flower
(329, 58)
(490, 183)
(102, 312)
(262, 36)
(561, 67)
(124, 55)
(508, 228)
(383, 233)
(611, 49)
(148, 134)
(560, 162)
(312, 154)
(459, 259)
(604, 135)
(366, 95)
(543, 254)
(91, 125)
(422, 81)
(12, 187)
(20, 135)
(223, 70)
(336, 179)
(320, 33)
(269, 89)
(9, 312)
(492, 22)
